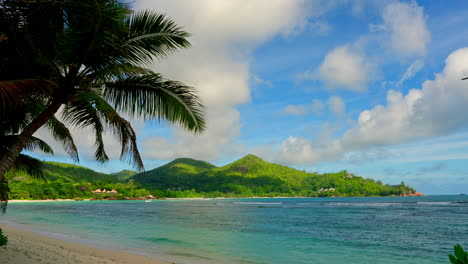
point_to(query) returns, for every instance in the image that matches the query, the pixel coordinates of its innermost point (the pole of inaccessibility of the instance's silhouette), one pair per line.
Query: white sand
(26, 247)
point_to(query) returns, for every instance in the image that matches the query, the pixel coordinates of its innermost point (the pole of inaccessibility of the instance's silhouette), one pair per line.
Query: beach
(27, 247)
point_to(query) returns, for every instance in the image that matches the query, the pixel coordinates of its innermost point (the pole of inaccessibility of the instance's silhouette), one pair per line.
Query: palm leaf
(153, 35)
(80, 112)
(61, 133)
(35, 143)
(151, 97)
(14, 92)
(33, 167)
(120, 127)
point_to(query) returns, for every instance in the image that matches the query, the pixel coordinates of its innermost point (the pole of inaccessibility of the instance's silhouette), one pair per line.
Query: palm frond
(35, 144)
(151, 97)
(33, 167)
(153, 35)
(15, 92)
(80, 112)
(120, 127)
(101, 74)
(61, 133)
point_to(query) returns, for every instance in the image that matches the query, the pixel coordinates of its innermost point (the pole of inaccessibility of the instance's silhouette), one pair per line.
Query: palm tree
(9, 130)
(86, 60)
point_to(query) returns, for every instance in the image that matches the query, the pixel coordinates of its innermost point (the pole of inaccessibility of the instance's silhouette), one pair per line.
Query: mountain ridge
(185, 177)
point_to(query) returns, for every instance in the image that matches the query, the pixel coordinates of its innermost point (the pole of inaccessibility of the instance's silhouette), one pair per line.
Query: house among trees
(99, 191)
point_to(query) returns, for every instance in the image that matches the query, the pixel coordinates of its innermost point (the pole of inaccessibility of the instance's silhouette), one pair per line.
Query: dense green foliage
(3, 239)
(247, 177)
(460, 257)
(67, 181)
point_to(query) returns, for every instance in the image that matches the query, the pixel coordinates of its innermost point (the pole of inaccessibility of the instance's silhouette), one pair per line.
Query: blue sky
(372, 87)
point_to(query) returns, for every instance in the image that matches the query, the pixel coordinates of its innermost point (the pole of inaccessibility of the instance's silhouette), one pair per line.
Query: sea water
(386, 230)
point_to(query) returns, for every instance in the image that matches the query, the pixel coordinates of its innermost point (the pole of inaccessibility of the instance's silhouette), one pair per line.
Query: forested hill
(184, 177)
(252, 176)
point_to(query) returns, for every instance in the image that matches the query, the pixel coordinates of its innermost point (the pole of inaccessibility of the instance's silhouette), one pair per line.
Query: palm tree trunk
(14, 151)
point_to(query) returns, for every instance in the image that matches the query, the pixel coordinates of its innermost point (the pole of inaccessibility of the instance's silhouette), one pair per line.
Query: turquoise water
(386, 230)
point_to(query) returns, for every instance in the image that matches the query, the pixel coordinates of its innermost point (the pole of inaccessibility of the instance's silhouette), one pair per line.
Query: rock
(413, 194)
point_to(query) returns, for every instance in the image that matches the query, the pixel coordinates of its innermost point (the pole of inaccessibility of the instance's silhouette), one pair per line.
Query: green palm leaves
(460, 257)
(84, 68)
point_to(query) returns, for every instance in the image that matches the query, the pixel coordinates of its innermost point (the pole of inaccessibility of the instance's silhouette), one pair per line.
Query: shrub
(461, 256)
(3, 239)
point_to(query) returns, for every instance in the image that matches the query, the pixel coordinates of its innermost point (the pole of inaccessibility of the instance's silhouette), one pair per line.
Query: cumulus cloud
(337, 105)
(223, 35)
(406, 24)
(344, 68)
(435, 110)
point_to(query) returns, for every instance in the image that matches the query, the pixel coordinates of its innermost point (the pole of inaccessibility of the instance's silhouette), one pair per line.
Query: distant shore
(27, 247)
(200, 198)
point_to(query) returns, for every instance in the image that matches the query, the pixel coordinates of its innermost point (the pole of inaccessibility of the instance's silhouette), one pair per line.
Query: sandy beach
(27, 247)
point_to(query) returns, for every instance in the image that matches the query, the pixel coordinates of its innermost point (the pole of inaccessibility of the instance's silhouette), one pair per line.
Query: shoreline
(202, 198)
(29, 247)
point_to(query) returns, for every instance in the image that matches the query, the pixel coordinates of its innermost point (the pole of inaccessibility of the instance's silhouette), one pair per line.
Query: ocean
(390, 230)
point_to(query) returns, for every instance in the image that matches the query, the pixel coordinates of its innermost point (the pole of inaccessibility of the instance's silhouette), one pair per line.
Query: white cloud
(297, 151)
(411, 71)
(296, 110)
(223, 35)
(337, 105)
(436, 110)
(343, 68)
(407, 25)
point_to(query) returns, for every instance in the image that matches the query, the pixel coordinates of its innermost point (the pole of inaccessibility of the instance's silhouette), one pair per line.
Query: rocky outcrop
(413, 194)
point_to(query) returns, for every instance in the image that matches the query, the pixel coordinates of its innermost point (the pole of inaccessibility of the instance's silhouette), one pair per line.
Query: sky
(371, 87)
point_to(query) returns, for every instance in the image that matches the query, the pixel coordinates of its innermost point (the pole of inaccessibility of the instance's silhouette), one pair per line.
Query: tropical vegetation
(460, 257)
(247, 177)
(3, 239)
(84, 66)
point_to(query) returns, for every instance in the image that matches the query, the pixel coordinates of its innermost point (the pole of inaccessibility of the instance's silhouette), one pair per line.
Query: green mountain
(54, 171)
(123, 175)
(184, 177)
(183, 173)
(252, 176)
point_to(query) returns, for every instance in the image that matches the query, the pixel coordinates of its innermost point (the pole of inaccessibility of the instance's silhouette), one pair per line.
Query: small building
(112, 192)
(326, 190)
(97, 191)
